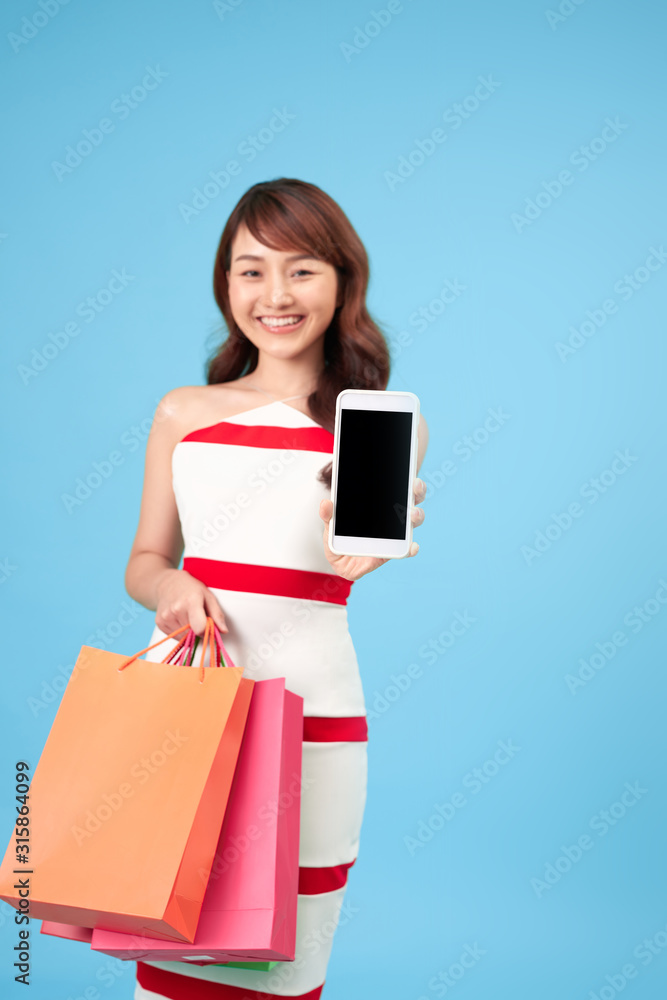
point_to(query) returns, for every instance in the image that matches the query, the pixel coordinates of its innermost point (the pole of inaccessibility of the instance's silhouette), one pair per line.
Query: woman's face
(282, 300)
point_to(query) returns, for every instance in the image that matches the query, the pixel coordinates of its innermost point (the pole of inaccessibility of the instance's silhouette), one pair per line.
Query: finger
(170, 619)
(363, 565)
(417, 516)
(419, 490)
(168, 622)
(414, 549)
(214, 611)
(326, 510)
(197, 618)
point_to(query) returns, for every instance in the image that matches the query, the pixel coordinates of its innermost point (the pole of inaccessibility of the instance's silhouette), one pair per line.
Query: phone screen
(373, 471)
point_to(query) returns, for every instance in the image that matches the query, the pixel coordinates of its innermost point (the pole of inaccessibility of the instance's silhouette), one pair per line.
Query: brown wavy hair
(289, 214)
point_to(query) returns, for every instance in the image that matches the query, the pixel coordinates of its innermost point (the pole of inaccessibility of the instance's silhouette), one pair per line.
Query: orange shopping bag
(127, 801)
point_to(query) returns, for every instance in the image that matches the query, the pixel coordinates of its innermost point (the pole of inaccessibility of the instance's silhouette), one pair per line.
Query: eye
(252, 272)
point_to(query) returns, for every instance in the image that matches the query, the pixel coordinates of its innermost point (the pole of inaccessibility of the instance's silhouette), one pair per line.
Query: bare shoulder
(190, 407)
(176, 409)
(175, 404)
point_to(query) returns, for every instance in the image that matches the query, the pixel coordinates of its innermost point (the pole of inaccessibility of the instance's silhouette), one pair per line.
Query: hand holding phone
(374, 467)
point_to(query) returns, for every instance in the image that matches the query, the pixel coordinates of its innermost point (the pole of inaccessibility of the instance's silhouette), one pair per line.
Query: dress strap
(302, 396)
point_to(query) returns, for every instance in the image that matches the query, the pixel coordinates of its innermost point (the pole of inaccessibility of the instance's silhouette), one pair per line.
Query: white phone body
(371, 480)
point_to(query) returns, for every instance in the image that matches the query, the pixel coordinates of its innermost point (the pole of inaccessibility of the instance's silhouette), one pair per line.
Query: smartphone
(374, 466)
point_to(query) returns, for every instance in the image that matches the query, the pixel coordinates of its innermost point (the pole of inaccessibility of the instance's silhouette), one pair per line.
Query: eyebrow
(296, 256)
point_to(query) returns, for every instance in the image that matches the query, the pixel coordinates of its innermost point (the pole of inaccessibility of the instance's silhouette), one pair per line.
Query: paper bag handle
(212, 638)
(141, 652)
(220, 656)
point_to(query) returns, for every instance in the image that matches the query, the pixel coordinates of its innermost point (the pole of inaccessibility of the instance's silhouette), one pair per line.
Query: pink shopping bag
(249, 910)
(70, 931)
(73, 933)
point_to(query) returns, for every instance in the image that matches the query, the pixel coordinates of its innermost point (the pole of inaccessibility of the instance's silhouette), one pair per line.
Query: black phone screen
(373, 471)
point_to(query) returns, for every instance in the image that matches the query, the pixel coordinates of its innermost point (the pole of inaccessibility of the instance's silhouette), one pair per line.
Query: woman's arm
(152, 577)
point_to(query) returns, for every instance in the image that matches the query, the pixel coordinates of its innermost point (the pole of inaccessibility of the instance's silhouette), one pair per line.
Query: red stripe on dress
(313, 881)
(350, 729)
(269, 580)
(256, 436)
(184, 987)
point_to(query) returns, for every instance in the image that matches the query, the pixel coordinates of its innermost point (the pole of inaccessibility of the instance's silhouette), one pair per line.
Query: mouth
(280, 324)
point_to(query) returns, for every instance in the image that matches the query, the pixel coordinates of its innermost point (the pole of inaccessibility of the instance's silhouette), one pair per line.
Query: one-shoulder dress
(248, 499)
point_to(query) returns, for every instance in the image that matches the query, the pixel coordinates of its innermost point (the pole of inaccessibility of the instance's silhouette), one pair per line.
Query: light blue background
(492, 347)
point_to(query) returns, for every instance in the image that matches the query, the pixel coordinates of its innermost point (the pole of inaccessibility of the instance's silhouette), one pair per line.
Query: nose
(277, 293)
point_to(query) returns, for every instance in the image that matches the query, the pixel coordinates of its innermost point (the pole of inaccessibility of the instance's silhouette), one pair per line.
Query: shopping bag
(70, 931)
(255, 966)
(249, 911)
(85, 934)
(128, 797)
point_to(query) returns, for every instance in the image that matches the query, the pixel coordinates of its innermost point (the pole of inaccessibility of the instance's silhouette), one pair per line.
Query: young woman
(238, 478)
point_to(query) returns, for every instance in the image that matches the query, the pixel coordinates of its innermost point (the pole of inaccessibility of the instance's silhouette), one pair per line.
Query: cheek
(236, 297)
(321, 300)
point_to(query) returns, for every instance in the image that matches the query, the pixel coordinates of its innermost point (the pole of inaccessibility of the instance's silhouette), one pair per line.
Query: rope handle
(131, 659)
(182, 653)
(225, 658)
(185, 648)
(178, 650)
(220, 656)
(206, 642)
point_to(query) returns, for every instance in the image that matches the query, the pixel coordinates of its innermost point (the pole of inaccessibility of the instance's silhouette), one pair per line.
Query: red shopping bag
(249, 911)
(129, 795)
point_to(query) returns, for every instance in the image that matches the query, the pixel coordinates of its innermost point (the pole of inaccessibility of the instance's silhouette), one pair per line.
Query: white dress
(248, 500)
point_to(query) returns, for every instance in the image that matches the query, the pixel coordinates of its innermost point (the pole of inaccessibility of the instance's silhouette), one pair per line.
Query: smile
(274, 323)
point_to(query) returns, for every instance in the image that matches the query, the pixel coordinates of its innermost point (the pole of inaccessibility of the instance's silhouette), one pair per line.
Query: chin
(283, 351)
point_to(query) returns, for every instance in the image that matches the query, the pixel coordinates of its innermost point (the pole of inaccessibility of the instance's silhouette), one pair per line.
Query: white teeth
(283, 321)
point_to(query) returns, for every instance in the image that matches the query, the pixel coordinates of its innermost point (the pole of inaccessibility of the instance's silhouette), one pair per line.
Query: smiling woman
(302, 298)
(306, 261)
(240, 487)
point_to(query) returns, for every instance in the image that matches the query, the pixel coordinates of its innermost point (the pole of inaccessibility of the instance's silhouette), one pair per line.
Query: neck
(289, 376)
